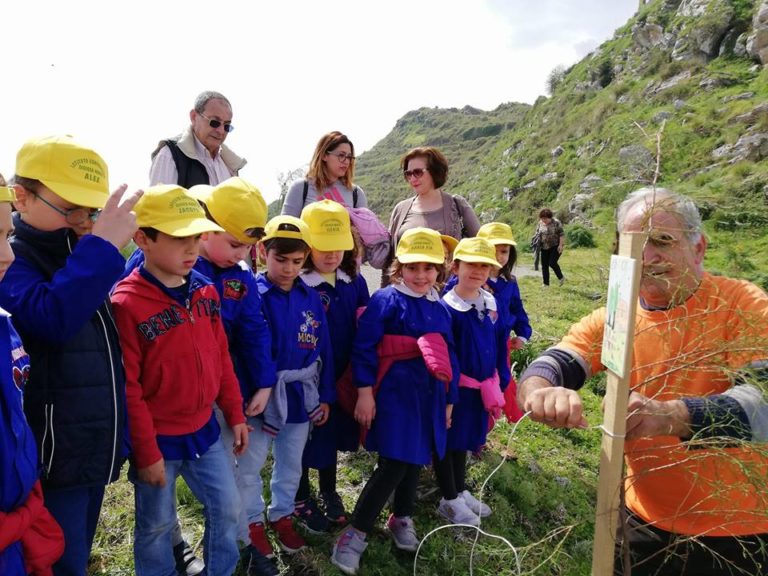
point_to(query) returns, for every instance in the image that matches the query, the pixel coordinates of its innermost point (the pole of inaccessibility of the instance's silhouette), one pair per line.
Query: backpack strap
(304, 193)
(354, 196)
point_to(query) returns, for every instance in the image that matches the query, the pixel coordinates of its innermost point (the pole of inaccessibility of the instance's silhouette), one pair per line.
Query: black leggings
(389, 476)
(451, 472)
(656, 552)
(327, 477)
(549, 260)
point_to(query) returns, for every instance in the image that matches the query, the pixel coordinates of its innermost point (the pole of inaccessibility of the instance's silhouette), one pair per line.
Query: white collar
(313, 278)
(458, 303)
(432, 295)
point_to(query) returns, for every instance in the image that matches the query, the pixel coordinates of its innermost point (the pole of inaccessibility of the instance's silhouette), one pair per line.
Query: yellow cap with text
(420, 245)
(235, 205)
(497, 233)
(170, 209)
(329, 225)
(477, 250)
(74, 172)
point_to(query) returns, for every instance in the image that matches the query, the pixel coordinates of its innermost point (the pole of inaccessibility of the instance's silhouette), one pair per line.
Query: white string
(477, 529)
(608, 432)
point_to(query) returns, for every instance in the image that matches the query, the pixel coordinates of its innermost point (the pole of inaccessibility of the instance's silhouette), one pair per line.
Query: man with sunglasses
(198, 155)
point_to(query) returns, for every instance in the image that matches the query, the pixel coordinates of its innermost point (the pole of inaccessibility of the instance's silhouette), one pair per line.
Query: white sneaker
(403, 532)
(479, 508)
(347, 551)
(456, 511)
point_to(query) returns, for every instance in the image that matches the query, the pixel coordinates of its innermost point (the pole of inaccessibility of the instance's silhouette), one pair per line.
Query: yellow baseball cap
(7, 194)
(276, 229)
(497, 233)
(170, 209)
(237, 206)
(74, 172)
(450, 241)
(478, 250)
(329, 225)
(420, 245)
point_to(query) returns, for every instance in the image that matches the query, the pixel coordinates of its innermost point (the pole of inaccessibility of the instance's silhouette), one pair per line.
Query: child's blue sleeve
(252, 343)
(55, 310)
(502, 356)
(370, 331)
(521, 326)
(452, 396)
(135, 260)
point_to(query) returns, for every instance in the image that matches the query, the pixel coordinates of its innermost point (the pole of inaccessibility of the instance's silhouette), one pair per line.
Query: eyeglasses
(415, 173)
(74, 216)
(342, 156)
(216, 123)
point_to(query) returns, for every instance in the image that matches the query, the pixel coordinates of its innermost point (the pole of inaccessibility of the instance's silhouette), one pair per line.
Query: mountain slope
(680, 83)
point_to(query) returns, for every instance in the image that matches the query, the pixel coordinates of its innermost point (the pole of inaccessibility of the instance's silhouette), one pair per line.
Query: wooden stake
(614, 427)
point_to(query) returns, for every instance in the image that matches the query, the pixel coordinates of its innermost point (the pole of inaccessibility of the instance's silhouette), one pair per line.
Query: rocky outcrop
(752, 147)
(757, 42)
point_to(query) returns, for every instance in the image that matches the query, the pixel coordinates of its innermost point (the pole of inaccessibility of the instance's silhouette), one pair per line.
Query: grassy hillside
(599, 136)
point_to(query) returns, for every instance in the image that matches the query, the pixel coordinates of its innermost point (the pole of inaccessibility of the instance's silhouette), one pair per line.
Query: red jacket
(176, 360)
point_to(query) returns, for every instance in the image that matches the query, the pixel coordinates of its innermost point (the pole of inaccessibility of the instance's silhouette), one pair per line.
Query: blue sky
(121, 76)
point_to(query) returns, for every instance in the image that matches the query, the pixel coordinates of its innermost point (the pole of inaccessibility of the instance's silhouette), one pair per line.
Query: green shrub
(579, 236)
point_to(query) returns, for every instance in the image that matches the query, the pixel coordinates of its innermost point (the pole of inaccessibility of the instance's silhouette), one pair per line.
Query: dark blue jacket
(57, 291)
(18, 456)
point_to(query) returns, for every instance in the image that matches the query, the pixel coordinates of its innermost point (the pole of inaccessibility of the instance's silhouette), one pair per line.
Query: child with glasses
(177, 365)
(405, 371)
(57, 290)
(331, 175)
(332, 271)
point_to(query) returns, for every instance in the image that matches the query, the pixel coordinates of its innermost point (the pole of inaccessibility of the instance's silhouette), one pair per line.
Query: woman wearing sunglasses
(426, 169)
(329, 176)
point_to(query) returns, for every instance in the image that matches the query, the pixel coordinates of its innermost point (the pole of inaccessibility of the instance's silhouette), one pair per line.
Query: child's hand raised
(117, 222)
(154, 474)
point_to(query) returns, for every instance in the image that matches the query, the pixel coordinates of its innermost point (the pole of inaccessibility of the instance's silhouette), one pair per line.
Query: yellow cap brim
(186, 227)
(76, 195)
(477, 259)
(333, 243)
(501, 242)
(411, 258)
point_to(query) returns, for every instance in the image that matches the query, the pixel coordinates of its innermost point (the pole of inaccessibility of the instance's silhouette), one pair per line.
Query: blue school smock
(242, 312)
(410, 404)
(341, 302)
(299, 329)
(18, 451)
(507, 293)
(481, 348)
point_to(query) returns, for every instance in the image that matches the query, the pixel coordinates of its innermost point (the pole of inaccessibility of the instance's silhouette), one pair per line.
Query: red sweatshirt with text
(177, 361)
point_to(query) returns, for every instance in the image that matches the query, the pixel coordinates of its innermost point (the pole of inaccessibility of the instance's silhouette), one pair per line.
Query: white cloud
(121, 79)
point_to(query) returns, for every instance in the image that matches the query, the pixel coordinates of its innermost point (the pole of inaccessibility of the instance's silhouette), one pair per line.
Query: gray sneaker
(562, 280)
(480, 508)
(347, 551)
(403, 532)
